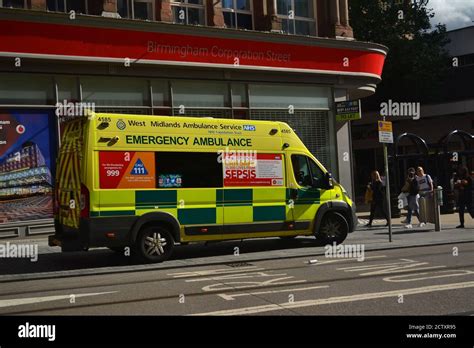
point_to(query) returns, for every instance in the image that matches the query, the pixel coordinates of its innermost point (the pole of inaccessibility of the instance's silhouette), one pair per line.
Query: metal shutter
(124, 110)
(214, 113)
(310, 125)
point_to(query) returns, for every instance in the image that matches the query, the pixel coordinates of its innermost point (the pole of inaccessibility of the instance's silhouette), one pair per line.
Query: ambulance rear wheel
(154, 244)
(333, 228)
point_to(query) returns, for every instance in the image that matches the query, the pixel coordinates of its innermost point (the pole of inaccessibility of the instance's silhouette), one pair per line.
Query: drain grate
(239, 264)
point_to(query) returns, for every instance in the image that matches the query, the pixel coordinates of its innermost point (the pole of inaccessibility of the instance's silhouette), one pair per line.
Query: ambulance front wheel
(333, 228)
(154, 244)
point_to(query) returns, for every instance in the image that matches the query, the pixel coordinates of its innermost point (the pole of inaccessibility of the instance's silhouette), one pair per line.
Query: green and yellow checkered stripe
(206, 206)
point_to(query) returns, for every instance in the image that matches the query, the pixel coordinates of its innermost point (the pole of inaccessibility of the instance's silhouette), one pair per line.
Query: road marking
(403, 278)
(225, 286)
(213, 271)
(340, 299)
(31, 300)
(348, 259)
(387, 268)
(236, 276)
(365, 221)
(232, 297)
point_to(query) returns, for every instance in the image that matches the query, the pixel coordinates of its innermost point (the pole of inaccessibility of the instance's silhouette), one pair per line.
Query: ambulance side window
(301, 170)
(307, 172)
(317, 174)
(188, 170)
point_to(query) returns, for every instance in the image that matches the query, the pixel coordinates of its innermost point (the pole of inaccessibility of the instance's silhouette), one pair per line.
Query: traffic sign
(385, 132)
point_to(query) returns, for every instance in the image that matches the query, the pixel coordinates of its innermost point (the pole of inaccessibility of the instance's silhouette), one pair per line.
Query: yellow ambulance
(153, 182)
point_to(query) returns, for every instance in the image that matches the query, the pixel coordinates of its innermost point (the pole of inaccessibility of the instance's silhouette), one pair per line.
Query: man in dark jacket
(378, 197)
(464, 185)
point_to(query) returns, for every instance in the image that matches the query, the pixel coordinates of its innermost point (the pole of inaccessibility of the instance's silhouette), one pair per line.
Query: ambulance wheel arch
(162, 219)
(339, 209)
(154, 243)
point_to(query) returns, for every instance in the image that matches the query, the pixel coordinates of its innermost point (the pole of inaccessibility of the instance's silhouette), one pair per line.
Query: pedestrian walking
(412, 188)
(425, 190)
(425, 183)
(464, 186)
(376, 187)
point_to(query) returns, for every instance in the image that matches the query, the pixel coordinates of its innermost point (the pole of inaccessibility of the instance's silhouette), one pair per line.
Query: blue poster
(26, 159)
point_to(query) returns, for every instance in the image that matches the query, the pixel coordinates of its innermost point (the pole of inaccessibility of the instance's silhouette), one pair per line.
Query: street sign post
(386, 137)
(385, 132)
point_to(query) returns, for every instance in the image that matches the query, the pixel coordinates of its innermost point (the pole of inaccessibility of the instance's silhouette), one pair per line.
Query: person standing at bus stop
(425, 186)
(411, 187)
(425, 183)
(464, 185)
(378, 197)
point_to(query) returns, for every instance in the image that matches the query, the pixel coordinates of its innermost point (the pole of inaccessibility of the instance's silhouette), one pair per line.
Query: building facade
(283, 60)
(453, 114)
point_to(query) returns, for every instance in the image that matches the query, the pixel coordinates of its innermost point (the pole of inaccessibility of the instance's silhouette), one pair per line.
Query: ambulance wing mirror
(328, 183)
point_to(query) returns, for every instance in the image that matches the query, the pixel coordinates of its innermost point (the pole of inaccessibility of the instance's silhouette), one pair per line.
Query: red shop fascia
(51, 37)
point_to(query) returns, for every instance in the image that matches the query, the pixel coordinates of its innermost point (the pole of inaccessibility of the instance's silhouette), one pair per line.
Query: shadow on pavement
(97, 258)
(408, 231)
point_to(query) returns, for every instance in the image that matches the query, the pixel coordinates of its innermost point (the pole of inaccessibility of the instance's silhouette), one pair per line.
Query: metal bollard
(439, 193)
(438, 199)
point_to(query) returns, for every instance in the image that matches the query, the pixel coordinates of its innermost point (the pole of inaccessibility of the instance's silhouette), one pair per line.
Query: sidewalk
(374, 237)
(377, 235)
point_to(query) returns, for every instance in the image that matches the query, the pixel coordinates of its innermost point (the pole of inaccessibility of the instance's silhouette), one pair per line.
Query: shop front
(135, 67)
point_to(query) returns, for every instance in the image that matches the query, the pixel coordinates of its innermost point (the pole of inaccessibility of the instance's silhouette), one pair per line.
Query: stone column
(37, 4)
(345, 30)
(215, 17)
(344, 12)
(334, 12)
(339, 19)
(164, 12)
(274, 23)
(110, 6)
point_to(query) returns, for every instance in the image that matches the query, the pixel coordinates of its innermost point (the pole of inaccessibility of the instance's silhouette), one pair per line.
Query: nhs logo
(250, 128)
